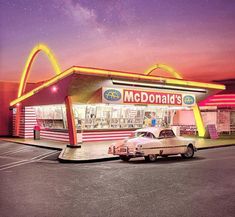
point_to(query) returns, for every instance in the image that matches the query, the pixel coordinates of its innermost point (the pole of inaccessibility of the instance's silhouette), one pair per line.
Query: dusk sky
(196, 37)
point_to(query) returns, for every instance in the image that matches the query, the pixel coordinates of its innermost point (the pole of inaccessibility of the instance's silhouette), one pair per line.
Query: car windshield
(144, 134)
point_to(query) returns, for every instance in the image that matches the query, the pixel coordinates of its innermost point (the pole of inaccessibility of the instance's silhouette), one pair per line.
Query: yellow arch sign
(164, 67)
(29, 62)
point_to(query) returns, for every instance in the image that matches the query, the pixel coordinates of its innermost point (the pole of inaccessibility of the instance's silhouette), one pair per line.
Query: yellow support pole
(199, 123)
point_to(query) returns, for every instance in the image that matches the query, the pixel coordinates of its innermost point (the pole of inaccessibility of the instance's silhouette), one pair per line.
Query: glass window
(162, 134)
(52, 117)
(145, 134)
(108, 116)
(169, 133)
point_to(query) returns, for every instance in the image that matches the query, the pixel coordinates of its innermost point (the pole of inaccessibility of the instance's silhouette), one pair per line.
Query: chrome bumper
(125, 151)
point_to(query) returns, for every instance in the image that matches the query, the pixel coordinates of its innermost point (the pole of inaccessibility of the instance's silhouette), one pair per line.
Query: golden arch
(164, 67)
(29, 62)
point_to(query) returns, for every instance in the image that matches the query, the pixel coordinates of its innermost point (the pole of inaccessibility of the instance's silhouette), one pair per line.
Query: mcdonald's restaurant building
(91, 104)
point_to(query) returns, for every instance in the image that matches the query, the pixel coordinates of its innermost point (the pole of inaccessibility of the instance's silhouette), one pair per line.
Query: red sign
(149, 97)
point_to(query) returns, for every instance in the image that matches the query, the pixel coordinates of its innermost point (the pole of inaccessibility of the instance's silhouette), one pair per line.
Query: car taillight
(138, 147)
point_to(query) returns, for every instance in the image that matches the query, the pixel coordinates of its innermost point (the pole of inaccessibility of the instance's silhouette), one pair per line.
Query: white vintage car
(152, 142)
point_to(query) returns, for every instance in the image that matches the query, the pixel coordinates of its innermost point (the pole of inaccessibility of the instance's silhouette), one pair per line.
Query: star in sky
(194, 37)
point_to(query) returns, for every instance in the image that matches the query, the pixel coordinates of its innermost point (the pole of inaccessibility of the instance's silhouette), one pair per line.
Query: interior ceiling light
(161, 86)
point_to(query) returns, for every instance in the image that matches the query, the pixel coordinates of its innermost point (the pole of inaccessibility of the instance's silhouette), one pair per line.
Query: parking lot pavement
(98, 151)
(170, 187)
(13, 155)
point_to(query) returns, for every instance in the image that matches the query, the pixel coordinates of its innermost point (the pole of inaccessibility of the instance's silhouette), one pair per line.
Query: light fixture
(161, 86)
(54, 89)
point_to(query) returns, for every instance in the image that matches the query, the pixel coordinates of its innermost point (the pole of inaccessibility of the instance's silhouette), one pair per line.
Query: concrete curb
(88, 161)
(117, 158)
(218, 146)
(39, 146)
(62, 160)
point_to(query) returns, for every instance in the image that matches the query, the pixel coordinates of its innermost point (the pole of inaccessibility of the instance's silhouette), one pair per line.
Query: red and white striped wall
(87, 136)
(27, 122)
(54, 135)
(105, 136)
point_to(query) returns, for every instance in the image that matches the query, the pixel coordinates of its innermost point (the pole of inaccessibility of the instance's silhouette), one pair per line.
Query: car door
(172, 143)
(151, 145)
(162, 143)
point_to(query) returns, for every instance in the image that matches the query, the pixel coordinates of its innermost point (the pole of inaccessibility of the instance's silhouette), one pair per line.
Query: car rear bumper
(125, 151)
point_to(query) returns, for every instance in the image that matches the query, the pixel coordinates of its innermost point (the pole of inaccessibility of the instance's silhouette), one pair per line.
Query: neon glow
(221, 103)
(199, 123)
(54, 89)
(164, 67)
(159, 85)
(219, 100)
(130, 35)
(108, 73)
(225, 95)
(29, 62)
(222, 99)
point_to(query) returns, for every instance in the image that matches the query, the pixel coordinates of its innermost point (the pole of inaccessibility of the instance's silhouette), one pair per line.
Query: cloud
(80, 14)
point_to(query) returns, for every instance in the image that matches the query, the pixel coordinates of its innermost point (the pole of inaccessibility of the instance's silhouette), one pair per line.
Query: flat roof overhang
(41, 94)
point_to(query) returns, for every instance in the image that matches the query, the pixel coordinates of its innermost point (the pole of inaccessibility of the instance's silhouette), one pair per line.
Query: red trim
(70, 121)
(55, 139)
(102, 136)
(54, 133)
(104, 132)
(103, 139)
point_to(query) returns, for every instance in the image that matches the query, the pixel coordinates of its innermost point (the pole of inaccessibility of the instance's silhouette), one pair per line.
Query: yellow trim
(46, 84)
(29, 62)
(164, 67)
(102, 72)
(199, 123)
(150, 78)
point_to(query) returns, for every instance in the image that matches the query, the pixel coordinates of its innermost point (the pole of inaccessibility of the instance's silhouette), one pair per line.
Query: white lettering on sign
(133, 96)
(148, 97)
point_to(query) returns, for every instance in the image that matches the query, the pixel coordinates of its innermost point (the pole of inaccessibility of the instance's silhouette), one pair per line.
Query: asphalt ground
(34, 183)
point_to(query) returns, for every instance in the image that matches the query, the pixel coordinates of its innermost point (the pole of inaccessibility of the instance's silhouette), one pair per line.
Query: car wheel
(151, 157)
(125, 158)
(189, 153)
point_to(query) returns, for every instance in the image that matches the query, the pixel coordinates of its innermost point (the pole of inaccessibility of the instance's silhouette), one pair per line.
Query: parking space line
(9, 164)
(49, 154)
(39, 157)
(34, 159)
(12, 152)
(15, 165)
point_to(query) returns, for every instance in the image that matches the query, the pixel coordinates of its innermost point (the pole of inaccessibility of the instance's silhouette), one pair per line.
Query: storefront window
(52, 117)
(102, 116)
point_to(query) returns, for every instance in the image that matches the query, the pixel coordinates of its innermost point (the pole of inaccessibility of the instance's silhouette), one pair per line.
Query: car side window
(150, 135)
(162, 134)
(169, 134)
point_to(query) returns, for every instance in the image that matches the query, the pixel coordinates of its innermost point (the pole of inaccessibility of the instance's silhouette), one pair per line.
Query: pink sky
(197, 39)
